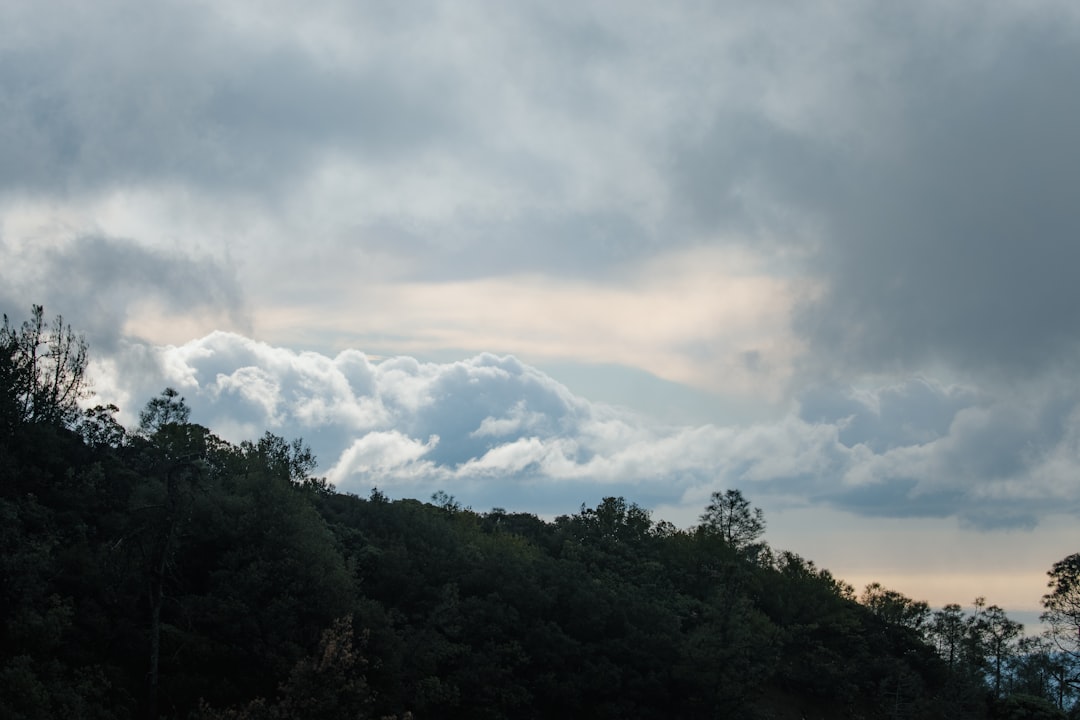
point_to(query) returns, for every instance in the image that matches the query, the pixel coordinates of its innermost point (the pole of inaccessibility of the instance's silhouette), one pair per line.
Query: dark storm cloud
(98, 283)
(897, 498)
(944, 197)
(916, 164)
(968, 251)
(937, 158)
(133, 93)
(233, 103)
(912, 413)
(936, 197)
(924, 450)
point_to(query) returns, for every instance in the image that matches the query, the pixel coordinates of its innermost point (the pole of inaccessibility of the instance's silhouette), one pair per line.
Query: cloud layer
(497, 430)
(901, 178)
(846, 228)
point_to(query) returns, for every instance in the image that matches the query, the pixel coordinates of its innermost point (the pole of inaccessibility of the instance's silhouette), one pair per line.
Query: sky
(533, 254)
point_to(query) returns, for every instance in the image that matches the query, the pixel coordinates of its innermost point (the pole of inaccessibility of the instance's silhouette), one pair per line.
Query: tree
(447, 502)
(42, 371)
(174, 450)
(998, 633)
(293, 460)
(1062, 605)
(895, 608)
(730, 516)
(614, 521)
(330, 684)
(1027, 707)
(948, 630)
(99, 427)
(1039, 670)
(169, 408)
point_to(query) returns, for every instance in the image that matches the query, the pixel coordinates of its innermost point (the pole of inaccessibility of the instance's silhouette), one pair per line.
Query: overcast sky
(537, 253)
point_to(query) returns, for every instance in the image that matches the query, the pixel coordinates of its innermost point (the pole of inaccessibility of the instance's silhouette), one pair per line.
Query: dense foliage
(167, 572)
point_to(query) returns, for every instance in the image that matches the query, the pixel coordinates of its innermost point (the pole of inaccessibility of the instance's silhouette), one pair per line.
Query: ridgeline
(164, 572)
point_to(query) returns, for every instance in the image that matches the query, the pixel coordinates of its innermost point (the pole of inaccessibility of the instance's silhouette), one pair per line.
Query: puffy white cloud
(384, 454)
(496, 425)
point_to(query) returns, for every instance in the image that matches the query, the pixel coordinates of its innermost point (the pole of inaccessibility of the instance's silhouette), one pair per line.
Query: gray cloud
(518, 127)
(924, 158)
(129, 94)
(98, 283)
(924, 450)
(919, 162)
(938, 192)
(915, 412)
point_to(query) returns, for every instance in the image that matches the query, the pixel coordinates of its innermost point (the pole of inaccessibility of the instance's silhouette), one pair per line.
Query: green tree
(328, 685)
(999, 635)
(614, 521)
(167, 409)
(1061, 606)
(173, 452)
(293, 460)
(42, 371)
(822, 648)
(947, 630)
(1039, 670)
(895, 608)
(99, 427)
(730, 516)
(1027, 707)
(255, 576)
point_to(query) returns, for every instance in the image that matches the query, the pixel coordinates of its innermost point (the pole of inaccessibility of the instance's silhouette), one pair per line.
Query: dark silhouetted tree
(169, 408)
(42, 371)
(894, 608)
(999, 635)
(730, 516)
(1062, 605)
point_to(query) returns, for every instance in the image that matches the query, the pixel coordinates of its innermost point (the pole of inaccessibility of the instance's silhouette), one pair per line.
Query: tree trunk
(156, 596)
(156, 592)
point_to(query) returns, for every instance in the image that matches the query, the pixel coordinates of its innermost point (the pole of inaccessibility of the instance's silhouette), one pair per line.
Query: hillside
(166, 572)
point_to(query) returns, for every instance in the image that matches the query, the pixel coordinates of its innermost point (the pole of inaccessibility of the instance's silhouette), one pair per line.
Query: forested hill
(166, 572)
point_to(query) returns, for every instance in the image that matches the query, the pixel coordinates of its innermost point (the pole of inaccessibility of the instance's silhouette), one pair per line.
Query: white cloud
(914, 449)
(518, 419)
(380, 455)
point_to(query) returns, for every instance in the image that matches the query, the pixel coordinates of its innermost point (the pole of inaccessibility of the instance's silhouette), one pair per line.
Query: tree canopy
(730, 516)
(168, 573)
(42, 371)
